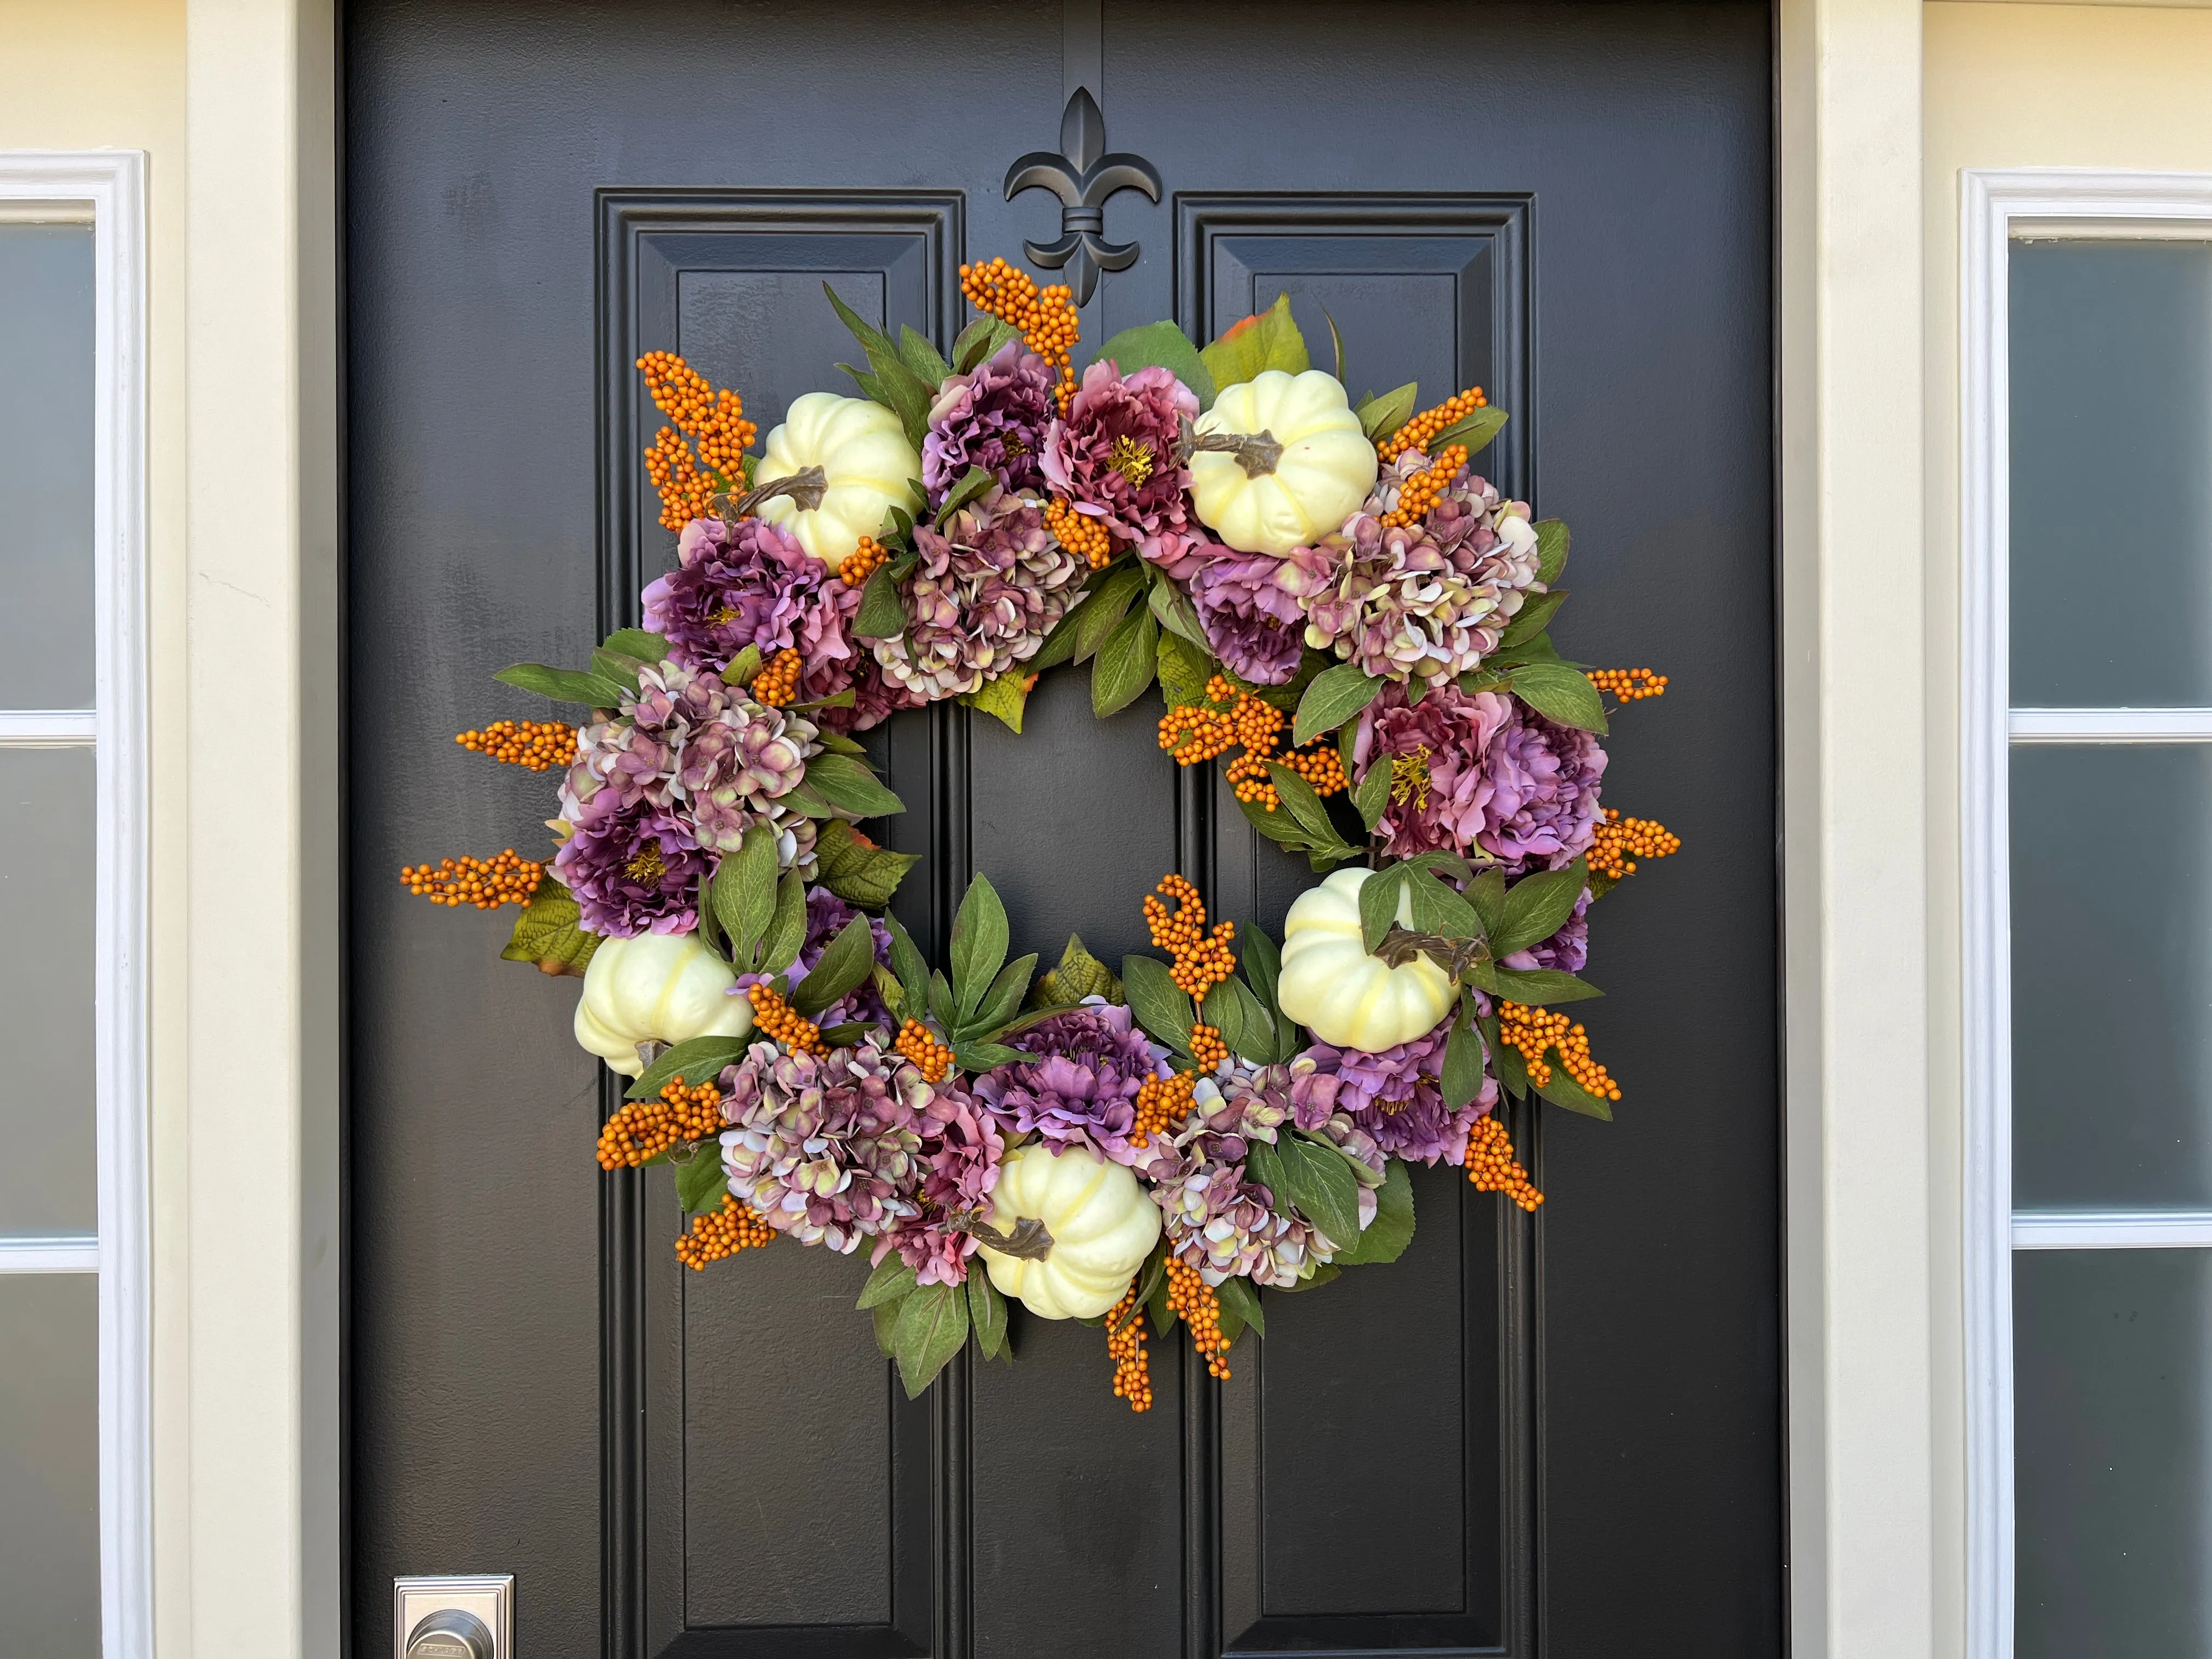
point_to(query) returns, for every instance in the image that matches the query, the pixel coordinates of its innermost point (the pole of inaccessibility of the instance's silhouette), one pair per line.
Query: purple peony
(1568, 950)
(1438, 752)
(751, 583)
(1080, 1088)
(634, 868)
(995, 416)
(1251, 621)
(875, 699)
(1394, 1098)
(1116, 451)
(1542, 810)
(961, 1151)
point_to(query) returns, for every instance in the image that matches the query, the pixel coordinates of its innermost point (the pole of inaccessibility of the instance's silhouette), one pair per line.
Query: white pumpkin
(867, 466)
(1325, 471)
(1102, 1223)
(657, 987)
(1344, 996)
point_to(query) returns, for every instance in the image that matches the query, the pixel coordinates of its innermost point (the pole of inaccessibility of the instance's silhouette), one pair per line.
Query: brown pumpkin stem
(1028, 1241)
(1454, 956)
(650, 1050)
(806, 487)
(1257, 452)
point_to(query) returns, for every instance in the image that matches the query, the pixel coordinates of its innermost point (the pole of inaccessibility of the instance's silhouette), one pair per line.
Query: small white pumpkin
(1344, 996)
(1102, 1223)
(1324, 472)
(657, 987)
(867, 467)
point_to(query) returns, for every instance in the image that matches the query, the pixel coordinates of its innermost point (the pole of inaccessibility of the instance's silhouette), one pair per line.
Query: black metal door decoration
(1084, 177)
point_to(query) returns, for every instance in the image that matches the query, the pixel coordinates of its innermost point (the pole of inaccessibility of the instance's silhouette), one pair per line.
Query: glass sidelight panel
(49, 1466)
(2112, 474)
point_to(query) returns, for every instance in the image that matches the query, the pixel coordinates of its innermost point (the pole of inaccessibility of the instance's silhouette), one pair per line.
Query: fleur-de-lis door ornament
(1083, 176)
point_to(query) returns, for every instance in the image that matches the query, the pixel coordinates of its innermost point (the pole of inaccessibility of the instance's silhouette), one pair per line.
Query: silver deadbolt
(463, 1616)
(450, 1633)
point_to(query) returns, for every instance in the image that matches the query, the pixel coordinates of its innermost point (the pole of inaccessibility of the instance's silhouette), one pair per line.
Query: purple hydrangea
(1116, 453)
(1543, 778)
(1437, 750)
(961, 1151)
(995, 416)
(734, 771)
(634, 868)
(1568, 950)
(1252, 621)
(1395, 1098)
(751, 583)
(1080, 1087)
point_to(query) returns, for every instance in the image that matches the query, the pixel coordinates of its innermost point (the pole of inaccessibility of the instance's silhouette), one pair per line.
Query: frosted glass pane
(2112, 976)
(2112, 1449)
(49, 1466)
(2112, 474)
(46, 991)
(45, 466)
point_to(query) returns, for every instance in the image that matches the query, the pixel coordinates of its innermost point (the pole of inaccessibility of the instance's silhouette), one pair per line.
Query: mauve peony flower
(1394, 1098)
(1080, 1088)
(1115, 452)
(995, 416)
(751, 583)
(634, 868)
(1437, 750)
(1568, 950)
(961, 1151)
(1252, 621)
(1542, 809)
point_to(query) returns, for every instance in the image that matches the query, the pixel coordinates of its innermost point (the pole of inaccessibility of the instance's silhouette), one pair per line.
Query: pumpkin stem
(1028, 1241)
(806, 487)
(1257, 452)
(650, 1050)
(1454, 956)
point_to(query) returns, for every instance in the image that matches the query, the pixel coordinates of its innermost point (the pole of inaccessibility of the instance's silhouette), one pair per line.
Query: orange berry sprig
(715, 420)
(1162, 1106)
(686, 493)
(1620, 842)
(1202, 731)
(777, 683)
(1046, 317)
(1419, 493)
(721, 1234)
(933, 1057)
(860, 563)
(1417, 432)
(780, 1020)
(644, 1129)
(1193, 1298)
(505, 879)
(1207, 1048)
(1124, 1344)
(534, 745)
(1491, 1166)
(1534, 1030)
(1629, 684)
(1080, 532)
(1202, 960)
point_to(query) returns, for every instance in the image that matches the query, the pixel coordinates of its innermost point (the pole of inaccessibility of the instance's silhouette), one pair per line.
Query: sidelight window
(2089, 706)
(73, 1294)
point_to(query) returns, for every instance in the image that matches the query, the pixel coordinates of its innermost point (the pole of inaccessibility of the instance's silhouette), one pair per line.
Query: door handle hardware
(453, 1616)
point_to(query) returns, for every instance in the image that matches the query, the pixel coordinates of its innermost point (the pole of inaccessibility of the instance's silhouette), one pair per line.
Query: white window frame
(1998, 206)
(107, 188)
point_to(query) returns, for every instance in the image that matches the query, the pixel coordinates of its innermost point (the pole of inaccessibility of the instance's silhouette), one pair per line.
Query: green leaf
(1281, 827)
(1370, 797)
(1539, 987)
(974, 482)
(1562, 1091)
(845, 1035)
(1173, 610)
(1164, 1316)
(1551, 550)
(885, 1316)
(1004, 997)
(1381, 416)
(1475, 432)
(1462, 1075)
(844, 781)
(696, 1059)
(1512, 1070)
(1562, 693)
(1268, 340)
(986, 1311)
(1237, 1296)
(932, 1325)
(1125, 664)
(1079, 975)
(1230, 1324)
(843, 964)
(1004, 696)
(1303, 805)
(700, 1180)
(1160, 345)
(546, 934)
(742, 891)
(1159, 1004)
(1386, 1236)
(1184, 670)
(1097, 617)
(858, 871)
(1225, 1014)
(613, 665)
(871, 387)
(1532, 619)
(1486, 893)
(891, 1282)
(897, 386)
(1536, 907)
(979, 340)
(940, 1000)
(744, 668)
(979, 944)
(913, 972)
(637, 643)
(1438, 908)
(562, 684)
(973, 1056)
(918, 355)
(843, 699)
(1263, 963)
(786, 930)
(882, 615)
(1336, 345)
(1323, 1186)
(1257, 1041)
(1381, 898)
(1335, 697)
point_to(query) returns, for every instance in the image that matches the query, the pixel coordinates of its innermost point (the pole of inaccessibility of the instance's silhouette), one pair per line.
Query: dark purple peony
(1543, 779)
(1251, 622)
(995, 416)
(1080, 1089)
(634, 869)
(1568, 950)
(1437, 750)
(751, 583)
(1116, 450)
(1395, 1098)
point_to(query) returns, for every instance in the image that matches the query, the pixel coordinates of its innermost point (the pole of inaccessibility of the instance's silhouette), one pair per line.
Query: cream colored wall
(110, 75)
(2007, 86)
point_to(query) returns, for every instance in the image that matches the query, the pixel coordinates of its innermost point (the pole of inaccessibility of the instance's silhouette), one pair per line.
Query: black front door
(1558, 1435)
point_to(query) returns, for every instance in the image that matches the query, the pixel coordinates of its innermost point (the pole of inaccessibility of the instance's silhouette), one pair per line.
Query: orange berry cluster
(1193, 1298)
(916, 1043)
(780, 1020)
(1124, 1344)
(860, 563)
(1419, 493)
(1079, 532)
(1490, 1165)
(1620, 842)
(1200, 732)
(1532, 1030)
(1163, 1105)
(1202, 960)
(1629, 684)
(721, 1233)
(644, 1129)
(508, 879)
(534, 745)
(777, 683)
(686, 493)
(1417, 432)
(1206, 1047)
(716, 419)
(1046, 317)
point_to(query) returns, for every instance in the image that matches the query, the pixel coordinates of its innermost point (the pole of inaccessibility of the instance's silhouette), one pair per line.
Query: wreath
(1326, 587)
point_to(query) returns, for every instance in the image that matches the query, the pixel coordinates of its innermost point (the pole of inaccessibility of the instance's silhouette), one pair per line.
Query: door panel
(1558, 1434)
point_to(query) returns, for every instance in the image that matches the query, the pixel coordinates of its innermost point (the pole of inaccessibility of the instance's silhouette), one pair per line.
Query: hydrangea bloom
(1251, 620)
(1080, 1089)
(634, 868)
(1544, 781)
(732, 770)
(751, 583)
(1116, 453)
(1394, 1098)
(1390, 600)
(995, 416)
(961, 1151)
(1437, 750)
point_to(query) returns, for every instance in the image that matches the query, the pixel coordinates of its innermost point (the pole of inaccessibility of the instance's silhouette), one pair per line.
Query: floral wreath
(1224, 522)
